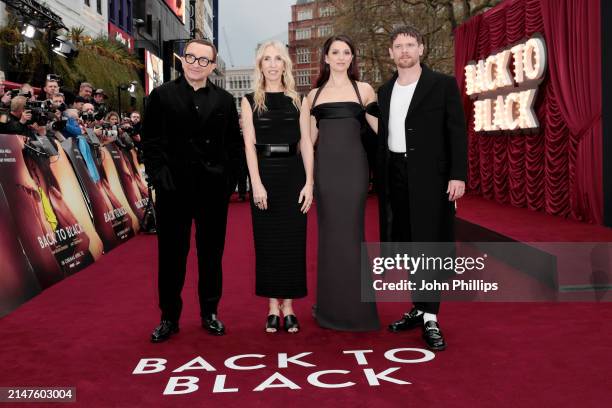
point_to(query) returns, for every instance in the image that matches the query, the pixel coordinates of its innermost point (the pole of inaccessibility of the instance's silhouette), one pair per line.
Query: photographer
(5, 97)
(28, 91)
(136, 126)
(78, 103)
(72, 128)
(18, 117)
(51, 88)
(86, 91)
(58, 104)
(99, 100)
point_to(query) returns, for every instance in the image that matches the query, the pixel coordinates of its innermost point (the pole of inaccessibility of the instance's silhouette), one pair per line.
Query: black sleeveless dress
(280, 231)
(341, 188)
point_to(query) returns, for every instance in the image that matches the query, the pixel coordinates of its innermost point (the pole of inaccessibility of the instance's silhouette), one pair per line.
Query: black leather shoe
(433, 336)
(213, 325)
(409, 321)
(164, 331)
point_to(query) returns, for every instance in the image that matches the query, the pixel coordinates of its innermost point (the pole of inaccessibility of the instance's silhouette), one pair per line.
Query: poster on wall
(46, 203)
(178, 8)
(130, 176)
(18, 281)
(154, 71)
(113, 218)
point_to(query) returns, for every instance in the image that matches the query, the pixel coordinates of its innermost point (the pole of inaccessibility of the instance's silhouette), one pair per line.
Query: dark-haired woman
(339, 107)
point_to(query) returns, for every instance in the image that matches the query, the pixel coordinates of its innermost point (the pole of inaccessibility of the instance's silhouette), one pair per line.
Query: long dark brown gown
(341, 188)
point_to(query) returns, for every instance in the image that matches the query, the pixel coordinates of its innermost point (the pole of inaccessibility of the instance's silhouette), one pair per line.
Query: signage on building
(504, 86)
(117, 34)
(154, 71)
(178, 8)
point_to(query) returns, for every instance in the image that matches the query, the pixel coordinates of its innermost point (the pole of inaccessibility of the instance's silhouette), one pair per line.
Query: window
(99, 6)
(303, 55)
(327, 11)
(303, 78)
(87, 3)
(325, 31)
(304, 15)
(149, 24)
(302, 33)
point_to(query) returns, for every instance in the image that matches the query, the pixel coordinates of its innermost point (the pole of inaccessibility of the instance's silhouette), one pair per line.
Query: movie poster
(18, 281)
(53, 221)
(113, 218)
(131, 179)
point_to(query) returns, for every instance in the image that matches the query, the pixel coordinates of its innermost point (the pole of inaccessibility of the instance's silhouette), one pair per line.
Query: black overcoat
(436, 148)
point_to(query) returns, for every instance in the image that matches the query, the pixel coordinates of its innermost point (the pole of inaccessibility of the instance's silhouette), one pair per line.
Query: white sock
(429, 317)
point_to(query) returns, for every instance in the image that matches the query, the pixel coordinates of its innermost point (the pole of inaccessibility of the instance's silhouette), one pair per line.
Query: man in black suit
(192, 146)
(422, 162)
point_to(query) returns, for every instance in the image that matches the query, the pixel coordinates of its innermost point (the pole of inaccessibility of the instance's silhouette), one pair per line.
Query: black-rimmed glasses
(202, 61)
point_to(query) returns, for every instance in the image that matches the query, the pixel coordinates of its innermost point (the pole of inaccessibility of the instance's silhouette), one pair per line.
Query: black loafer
(164, 331)
(291, 322)
(213, 325)
(409, 321)
(273, 323)
(433, 336)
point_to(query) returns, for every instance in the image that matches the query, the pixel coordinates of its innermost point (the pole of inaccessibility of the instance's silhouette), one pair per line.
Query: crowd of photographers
(58, 113)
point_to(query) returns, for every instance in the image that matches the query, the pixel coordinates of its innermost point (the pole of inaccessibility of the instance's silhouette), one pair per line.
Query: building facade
(160, 32)
(202, 12)
(92, 15)
(311, 23)
(239, 82)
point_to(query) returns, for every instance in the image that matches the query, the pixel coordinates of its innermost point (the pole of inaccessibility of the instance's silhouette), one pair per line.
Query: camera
(88, 116)
(110, 131)
(40, 110)
(102, 111)
(43, 111)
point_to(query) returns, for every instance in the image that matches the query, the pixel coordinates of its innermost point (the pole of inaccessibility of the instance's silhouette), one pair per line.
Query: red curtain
(559, 169)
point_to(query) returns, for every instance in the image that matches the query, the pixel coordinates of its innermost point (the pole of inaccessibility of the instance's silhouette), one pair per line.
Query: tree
(369, 22)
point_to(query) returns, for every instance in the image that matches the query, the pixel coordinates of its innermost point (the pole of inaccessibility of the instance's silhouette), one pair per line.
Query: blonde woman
(280, 161)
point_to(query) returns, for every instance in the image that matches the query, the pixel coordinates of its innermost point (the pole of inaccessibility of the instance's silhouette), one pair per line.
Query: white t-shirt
(400, 102)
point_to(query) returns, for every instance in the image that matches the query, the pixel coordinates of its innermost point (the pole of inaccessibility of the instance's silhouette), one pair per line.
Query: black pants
(205, 203)
(401, 230)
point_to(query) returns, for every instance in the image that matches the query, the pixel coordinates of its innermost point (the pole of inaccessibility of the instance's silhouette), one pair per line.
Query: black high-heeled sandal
(273, 323)
(291, 322)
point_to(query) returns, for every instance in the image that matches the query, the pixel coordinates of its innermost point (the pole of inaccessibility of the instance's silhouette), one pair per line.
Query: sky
(247, 23)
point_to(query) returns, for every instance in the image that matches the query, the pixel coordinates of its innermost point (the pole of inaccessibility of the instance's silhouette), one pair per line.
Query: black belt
(277, 150)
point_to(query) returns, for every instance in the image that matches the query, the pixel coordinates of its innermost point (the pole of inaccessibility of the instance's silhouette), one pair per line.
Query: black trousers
(401, 230)
(205, 203)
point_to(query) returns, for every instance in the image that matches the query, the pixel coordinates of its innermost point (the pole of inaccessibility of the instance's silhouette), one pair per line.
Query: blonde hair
(287, 79)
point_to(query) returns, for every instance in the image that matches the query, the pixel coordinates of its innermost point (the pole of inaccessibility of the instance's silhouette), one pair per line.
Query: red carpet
(526, 225)
(91, 330)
